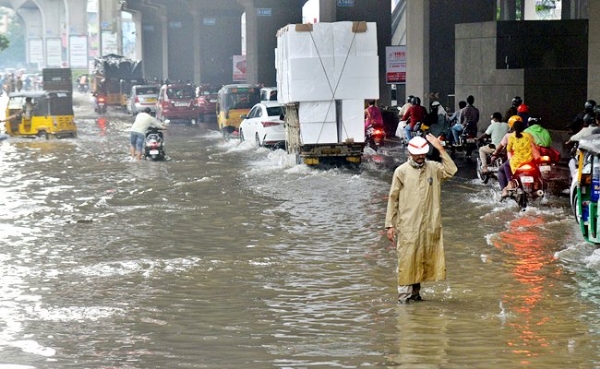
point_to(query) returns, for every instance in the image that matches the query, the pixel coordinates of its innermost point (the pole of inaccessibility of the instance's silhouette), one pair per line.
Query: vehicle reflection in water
(102, 123)
(529, 246)
(530, 254)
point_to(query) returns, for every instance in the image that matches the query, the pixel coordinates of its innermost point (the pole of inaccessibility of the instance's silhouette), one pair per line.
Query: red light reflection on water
(527, 253)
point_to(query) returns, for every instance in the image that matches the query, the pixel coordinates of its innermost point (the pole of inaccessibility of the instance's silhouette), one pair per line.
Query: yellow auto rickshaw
(233, 101)
(40, 114)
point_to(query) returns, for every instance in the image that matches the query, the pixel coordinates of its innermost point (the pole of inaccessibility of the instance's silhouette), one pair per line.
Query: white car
(263, 125)
(141, 97)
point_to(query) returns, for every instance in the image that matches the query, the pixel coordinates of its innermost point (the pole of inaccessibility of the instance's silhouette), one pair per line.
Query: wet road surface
(228, 256)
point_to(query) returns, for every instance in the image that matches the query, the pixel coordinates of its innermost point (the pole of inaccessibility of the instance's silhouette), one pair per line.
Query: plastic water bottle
(585, 211)
(595, 195)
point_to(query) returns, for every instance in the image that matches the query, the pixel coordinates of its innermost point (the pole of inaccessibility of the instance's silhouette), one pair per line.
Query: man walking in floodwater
(414, 217)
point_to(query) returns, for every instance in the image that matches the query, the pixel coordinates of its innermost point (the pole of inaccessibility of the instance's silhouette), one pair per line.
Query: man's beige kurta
(414, 210)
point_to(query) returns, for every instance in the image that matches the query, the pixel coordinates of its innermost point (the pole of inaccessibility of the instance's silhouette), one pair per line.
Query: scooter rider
(590, 126)
(520, 149)
(577, 123)
(496, 130)
(415, 114)
(516, 101)
(138, 132)
(504, 141)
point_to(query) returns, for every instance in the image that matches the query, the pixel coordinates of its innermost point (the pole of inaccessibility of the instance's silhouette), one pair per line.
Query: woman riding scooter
(520, 149)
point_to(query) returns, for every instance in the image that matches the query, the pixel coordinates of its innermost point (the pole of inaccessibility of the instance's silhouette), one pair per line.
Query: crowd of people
(17, 82)
(517, 133)
(413, 222)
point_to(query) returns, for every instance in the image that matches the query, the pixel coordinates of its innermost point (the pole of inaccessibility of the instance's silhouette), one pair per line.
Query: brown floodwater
(228, 256)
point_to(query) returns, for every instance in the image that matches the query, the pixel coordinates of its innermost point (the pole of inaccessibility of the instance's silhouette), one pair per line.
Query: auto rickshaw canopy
(46, 102)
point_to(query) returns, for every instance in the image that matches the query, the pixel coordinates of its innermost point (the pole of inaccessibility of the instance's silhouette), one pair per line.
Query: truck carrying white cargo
(325, 72)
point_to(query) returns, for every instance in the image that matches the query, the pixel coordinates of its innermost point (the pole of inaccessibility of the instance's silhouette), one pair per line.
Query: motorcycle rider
(577, 123)
(137, 136)
(504, 142)
(400, 130)
(516, 101)
(455, 120)
(415, 114)
(523, 112)
(82, 83)
(438, 120)
(590, 126)
(519, 150)
(469, 117)
(540, 134)
(496, 130)
(373, 115)
(373, 122)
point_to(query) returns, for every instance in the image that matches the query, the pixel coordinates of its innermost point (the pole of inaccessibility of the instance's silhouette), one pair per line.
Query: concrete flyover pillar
(430, 45)
(197, 66)
(53, 19)
(110, 27)
(417, 47)
(594, 51)
(380, 12)
(151, 45)
(76, 23)
(327, 11)
(76, 14)
(220, 38)
(263, 19)
(34, 30)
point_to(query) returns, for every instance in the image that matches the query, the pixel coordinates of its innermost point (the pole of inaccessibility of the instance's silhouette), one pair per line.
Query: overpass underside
(197, 40)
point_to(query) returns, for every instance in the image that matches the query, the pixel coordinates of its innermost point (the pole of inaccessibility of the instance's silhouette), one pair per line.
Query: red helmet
(523, 109)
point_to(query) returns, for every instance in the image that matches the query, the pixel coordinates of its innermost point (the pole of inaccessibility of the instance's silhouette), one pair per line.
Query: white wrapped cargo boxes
(329, 69)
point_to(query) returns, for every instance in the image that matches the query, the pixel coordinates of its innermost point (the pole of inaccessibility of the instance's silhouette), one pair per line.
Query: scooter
(527, 184)
(100, 104)
(154, 148)
(492, 165)
(375, 136)
(466, 144)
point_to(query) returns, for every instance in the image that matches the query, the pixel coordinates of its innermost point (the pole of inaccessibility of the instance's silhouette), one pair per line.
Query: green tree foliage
(4, 42)
(13, 55)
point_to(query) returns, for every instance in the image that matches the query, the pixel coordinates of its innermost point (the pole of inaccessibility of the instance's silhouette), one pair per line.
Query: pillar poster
(54, 52)
(395, 61)
(36, 51)
(239, 68)
(78, 52)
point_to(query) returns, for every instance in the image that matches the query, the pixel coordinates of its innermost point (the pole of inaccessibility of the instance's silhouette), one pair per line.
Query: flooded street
(227, 256)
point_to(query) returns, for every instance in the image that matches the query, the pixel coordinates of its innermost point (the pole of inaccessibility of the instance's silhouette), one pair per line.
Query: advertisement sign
(53, 52)
(264, 12)
(36, 51)
(239, 68)
(345, 2)
(109, 43)
(78, 52)
(395, 63)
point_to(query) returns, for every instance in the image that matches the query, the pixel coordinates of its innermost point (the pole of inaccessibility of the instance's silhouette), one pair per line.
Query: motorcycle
(100, 107)
(529, 183)
(83, 88)
(467, 144)
(492, 165)
(375, 136)
(154, 148)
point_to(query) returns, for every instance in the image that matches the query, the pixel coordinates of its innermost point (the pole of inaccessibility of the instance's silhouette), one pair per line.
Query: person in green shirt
(541, 136)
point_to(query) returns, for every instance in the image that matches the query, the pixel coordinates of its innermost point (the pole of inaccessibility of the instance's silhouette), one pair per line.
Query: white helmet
(418, 146)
